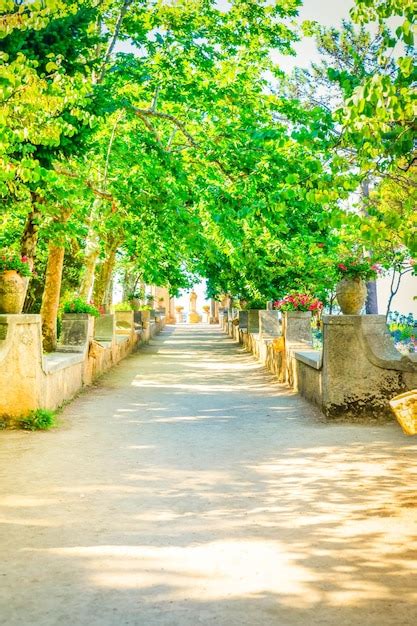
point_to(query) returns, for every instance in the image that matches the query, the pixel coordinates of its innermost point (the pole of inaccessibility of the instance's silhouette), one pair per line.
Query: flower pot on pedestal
(351, 295)
(13, 289)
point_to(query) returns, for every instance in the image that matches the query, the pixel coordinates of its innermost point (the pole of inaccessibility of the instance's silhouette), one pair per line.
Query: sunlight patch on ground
(212, 571)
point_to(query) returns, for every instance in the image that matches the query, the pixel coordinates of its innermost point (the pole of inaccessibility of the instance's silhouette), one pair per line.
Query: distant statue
(193, 302)
(193, 317)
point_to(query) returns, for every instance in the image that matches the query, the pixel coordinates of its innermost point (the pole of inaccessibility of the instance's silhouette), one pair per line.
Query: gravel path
(189, 488)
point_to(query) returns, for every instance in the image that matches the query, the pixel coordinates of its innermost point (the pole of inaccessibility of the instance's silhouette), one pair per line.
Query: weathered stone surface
(30, 380)
(253, 321)
(269, 323)
(124, 322)
(146, 318)
(297, 326)
(243, 319)
(76, 331)
(359, 371)
(13, 288)
(104, 327)
(362, 370)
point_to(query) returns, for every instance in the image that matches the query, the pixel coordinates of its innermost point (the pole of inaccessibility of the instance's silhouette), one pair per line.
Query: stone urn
(206, 309)
(351, 295)
(13, 289)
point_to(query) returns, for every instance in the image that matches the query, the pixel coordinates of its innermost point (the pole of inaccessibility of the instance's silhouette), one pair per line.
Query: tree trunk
(104, 276)
(87, 282)
(371, 306)
(371, 298)
(92, 251)
(29, 237)
(51, 294)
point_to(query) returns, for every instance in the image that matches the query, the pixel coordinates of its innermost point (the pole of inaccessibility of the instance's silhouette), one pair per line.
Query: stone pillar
(297, 326)
(124, 322)
(171, 311)
(104, 328)
(269, 323)
(21, 372)
(179, 314)
(253, 321)
(214, 311)
(76, 332)
(296, 329)
(243, 319)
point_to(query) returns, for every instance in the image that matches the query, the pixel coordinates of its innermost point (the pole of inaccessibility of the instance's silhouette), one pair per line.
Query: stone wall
(353, 378)
(88, 347)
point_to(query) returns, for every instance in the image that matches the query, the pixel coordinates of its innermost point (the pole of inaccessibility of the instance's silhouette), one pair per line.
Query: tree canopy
(163, 140)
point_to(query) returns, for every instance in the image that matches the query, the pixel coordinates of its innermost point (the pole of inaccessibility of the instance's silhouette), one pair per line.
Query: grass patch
(41, 419)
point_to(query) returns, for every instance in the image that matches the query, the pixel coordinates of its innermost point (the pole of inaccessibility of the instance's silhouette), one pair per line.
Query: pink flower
(342, 267)
(24, 259)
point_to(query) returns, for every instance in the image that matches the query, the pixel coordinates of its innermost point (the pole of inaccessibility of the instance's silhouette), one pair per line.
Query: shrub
(15, 262)
(123, 306)
(78, 305)
(358, 269)
(298, 302)
(41, 419)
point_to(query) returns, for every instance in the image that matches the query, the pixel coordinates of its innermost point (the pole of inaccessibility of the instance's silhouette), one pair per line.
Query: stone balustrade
(355, 375)
(87, 348)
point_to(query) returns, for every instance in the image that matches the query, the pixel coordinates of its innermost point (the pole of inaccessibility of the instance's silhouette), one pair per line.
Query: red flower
(342, 267)
(24, 259)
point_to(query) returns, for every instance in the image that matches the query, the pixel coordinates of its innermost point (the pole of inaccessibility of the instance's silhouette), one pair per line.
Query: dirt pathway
(189, 488)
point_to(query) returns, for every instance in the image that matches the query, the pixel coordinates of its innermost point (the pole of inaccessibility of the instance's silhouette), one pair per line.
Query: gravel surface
(188, 487)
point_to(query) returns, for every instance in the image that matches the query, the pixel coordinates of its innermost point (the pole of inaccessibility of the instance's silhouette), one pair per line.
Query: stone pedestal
(243, 319)
(297, 326)
(104, 327)
(253, 321)
(194, 318)
(77, 330)
(124, 322)
(269, 323)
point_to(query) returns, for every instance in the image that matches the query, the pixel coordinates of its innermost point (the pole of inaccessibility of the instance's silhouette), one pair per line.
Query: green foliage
(78, 305)
(123, 306)
(40, 419)
(193, 155)
(14, 262)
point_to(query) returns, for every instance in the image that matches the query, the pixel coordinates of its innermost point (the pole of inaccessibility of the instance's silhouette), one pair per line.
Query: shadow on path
(188, 487)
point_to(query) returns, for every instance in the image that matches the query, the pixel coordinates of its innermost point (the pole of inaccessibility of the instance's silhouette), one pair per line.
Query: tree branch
(113, 40)
(87, 183)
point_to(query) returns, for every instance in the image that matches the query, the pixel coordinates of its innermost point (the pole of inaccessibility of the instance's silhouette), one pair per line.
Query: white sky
(326, 12)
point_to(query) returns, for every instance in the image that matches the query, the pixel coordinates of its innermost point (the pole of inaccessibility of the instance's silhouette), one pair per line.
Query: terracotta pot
(13, 289)
(351, 295)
